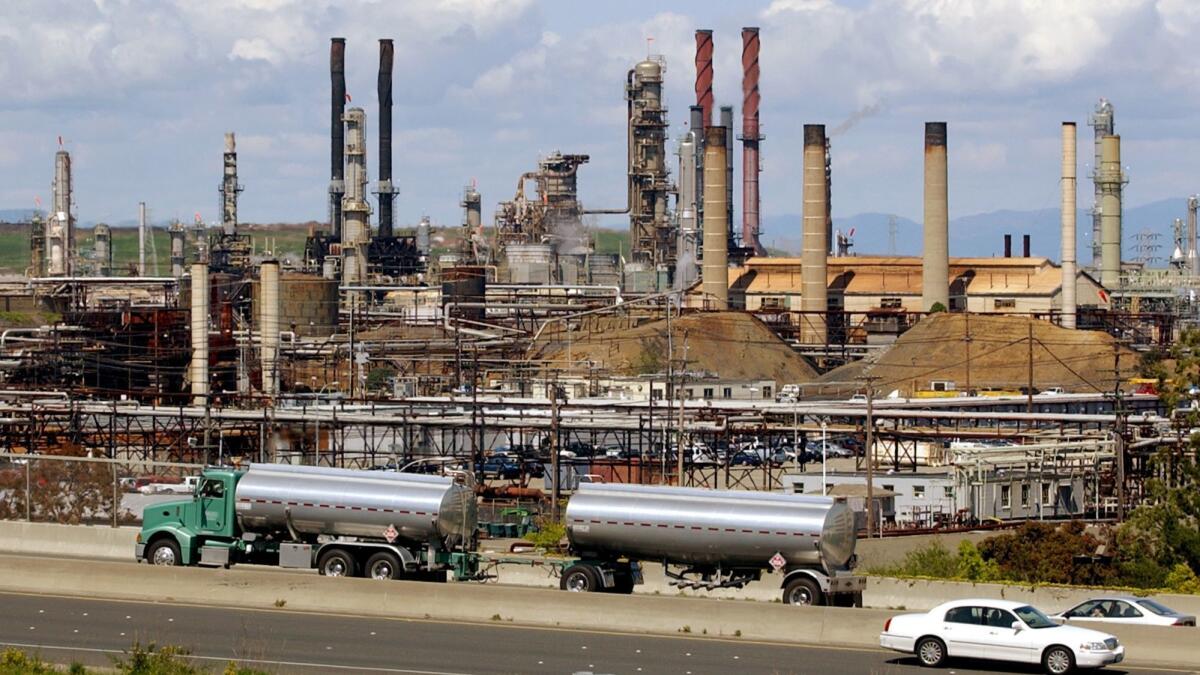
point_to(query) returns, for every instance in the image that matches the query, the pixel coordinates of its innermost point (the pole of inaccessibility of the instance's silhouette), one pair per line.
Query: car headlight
(1094, 647)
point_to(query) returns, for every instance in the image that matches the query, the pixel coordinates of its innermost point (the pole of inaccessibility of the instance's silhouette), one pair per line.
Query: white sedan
(1001, 630)
(1125, 609)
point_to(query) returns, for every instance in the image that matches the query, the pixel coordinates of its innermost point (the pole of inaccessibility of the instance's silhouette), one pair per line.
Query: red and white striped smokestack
(750, 139)
(704, 75)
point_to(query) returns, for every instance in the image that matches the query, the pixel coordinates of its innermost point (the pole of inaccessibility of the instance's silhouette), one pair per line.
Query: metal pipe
(715, 277)
(269, 327)
(1111, 180)
(1025, 246)
(727, 125)
(199, 326)
(1069, 162)
(935, 271)
(750, 140)
(1193, 256)
(337, 186)
(814, 298)
(385, 189)
(1008, 246)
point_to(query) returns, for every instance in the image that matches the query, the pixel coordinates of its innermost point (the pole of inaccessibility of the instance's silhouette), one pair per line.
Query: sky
(142, 91)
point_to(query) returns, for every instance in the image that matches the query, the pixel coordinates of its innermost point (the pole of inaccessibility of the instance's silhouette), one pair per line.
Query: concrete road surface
(67, 629)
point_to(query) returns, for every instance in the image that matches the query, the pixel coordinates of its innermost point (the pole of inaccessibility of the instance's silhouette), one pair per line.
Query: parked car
(185, 487)
(1125, 609)
(499, 467)
(999, 630)
(746, 458)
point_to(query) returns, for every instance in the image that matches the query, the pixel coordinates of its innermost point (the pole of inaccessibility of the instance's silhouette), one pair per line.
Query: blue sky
(143, 90)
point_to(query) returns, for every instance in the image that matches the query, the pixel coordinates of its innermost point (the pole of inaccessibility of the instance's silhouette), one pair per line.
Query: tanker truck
(409, 526)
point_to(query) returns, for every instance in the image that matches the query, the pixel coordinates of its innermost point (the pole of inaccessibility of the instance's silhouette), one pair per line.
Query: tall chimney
(704, 77)
(199, 320)
(935, 272)
(1193, 256)
(387, 193)
(814, 284)
(337, 141)
(751, 224)
(1008, 246)
(268, 326)
(229, 187)
(687, 210)
(356, 212)
(61, 228)
(715, 274)
(727, 125)
(1068, 224)
(828, 196)
(1111, 180)
(1025, 245)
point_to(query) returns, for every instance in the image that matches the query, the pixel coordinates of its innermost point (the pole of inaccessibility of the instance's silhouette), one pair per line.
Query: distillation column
(199, 320)
(356, 212)
(1102, 123)
(651, 239)
(178, 238)
(1069, 162)
(269, 327)
(60, 227)
(102, 249)
(687, 211)
(1193, 257)
(229, 188)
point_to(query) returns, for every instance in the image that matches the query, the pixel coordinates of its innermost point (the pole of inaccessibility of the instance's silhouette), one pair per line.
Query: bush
(548, 534)
(1181, 579)
(17, 662)
(972, 566)
(1044, 553)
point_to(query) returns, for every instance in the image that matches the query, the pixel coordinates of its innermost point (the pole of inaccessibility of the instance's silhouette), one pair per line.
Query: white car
(1000, 630)
(1125, 609)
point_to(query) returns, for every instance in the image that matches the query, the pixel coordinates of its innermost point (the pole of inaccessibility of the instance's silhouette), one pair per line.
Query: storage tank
(710, 527)
(343, 502)
(529, 263)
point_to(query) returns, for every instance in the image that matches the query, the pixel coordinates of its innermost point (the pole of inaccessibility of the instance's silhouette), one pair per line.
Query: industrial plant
(514, 347)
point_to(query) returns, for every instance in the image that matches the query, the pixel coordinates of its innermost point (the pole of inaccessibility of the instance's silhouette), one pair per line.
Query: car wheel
(336, 563)
(164, 552)
(383, 565)
(580, 578)
(931, 652)
(1058, 660)
(802, 591)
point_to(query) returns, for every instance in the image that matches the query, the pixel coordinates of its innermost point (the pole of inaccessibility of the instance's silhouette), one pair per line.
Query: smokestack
(61, 227)
(199, 321)
(1111, 180)
(704, 77)
(696, 125)
(1068, 225)
(828, 195)
(269, 327)
(177, 240)
(141, 239)
(1025, 245)
(386, 191)
(1008, 246)
(935, 273)
(715, 275)
(337, 140)
(356, 212)
(727, 125)
(814, 284)
(102, 249)
(751, 224)
(1193, 257)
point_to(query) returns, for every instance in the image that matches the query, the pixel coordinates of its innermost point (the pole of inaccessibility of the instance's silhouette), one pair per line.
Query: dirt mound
(937, 348)
(730, 345)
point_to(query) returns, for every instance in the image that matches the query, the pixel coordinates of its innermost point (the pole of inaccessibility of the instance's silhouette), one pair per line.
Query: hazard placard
(391, 533)
(777, 562)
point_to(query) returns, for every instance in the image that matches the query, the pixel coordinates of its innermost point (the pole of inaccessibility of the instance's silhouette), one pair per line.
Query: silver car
(1124, 609)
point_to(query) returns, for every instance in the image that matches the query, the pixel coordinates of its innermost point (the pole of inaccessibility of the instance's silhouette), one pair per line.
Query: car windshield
(1034, 618)
(1157, 608)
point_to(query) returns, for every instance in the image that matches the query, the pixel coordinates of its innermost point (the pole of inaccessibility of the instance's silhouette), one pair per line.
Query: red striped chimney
(750, 139)
(704, 74)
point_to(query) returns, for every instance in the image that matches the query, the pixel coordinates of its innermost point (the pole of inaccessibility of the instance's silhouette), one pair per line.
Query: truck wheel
(336, 563)
(164, 552)
(580, 578)
(802, 591)
(383, 565)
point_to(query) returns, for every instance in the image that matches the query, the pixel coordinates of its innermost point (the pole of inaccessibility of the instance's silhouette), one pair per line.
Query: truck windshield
(1034, 618)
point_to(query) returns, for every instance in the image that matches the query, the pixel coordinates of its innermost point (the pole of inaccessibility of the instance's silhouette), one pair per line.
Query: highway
(93, 631)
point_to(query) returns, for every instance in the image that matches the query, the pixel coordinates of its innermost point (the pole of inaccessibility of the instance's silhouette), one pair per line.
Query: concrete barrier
(76, 541)
(262, 589)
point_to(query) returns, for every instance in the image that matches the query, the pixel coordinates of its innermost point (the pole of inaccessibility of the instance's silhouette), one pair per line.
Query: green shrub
(1181, 579)
(17, 662)
(972, 566)
(548, 534)
(151, 659)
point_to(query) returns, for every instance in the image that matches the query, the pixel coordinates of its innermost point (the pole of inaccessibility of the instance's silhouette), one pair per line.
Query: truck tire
(336, 562)
(580, 578)
(802, 591)
(165, 552)
(383, 565)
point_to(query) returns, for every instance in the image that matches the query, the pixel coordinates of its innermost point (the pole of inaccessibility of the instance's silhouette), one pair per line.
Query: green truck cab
(200, 530)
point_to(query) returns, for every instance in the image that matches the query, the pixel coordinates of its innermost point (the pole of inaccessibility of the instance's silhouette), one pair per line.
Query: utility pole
(1118, 431)
(967, 342)
(1029, 390)
(679, 441)
(556, 492)
(869, 452)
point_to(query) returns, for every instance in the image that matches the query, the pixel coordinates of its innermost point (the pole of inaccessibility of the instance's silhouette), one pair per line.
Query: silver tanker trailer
(386, 525)
(712, 539)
